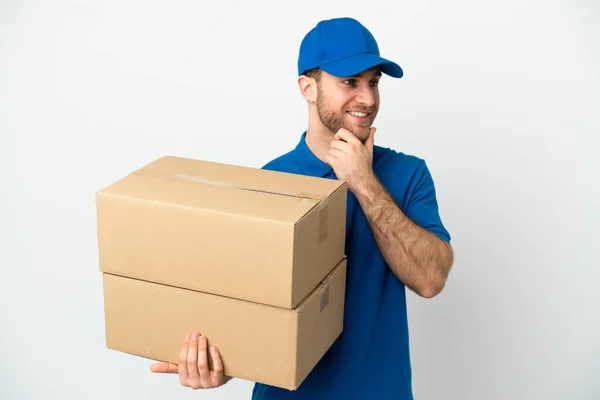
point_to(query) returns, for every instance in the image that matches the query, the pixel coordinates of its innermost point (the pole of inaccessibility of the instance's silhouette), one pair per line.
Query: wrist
(367, 189)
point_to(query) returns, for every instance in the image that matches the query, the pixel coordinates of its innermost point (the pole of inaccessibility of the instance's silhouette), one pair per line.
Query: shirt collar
(309, 163)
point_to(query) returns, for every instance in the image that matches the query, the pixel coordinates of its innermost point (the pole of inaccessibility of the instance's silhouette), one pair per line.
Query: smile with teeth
(358, 114)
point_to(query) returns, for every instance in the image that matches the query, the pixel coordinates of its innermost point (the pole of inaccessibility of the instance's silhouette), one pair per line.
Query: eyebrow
(378, 74)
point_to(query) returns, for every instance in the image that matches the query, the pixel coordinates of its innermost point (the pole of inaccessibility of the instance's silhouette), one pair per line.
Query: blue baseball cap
(343, 47)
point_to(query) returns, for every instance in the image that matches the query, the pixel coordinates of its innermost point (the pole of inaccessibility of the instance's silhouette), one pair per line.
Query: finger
(203, 360)
(192, 358)
(346, 135)
(217, 364)
(341, 145)
(164, 368)
(336, 153)
(370, 140)
(329, 159)
(182, 367)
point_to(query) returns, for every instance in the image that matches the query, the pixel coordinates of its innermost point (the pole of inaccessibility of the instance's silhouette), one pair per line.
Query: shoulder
(280, 163)
(393, 157)
(394, 167)
(405, 176)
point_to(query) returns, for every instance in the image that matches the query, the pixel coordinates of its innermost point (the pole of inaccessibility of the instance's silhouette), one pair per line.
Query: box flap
(224, 188)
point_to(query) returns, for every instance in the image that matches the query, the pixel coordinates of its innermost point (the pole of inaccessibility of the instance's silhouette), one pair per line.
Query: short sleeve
(422, 206)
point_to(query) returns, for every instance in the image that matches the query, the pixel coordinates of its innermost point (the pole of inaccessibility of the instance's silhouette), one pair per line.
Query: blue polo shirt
(370, 359)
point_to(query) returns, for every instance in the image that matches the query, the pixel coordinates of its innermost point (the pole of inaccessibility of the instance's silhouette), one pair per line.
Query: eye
(375, 83)
(350, 82)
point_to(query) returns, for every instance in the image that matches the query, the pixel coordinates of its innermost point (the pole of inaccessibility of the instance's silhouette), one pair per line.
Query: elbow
(433, 285)
(436, 281)
(432, 288)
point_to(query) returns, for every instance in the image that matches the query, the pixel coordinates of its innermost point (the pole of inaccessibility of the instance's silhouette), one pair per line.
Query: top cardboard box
(246, 233)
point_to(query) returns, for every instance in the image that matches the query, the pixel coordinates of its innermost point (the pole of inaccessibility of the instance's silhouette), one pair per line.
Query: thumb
(164, 368)
(370, 140)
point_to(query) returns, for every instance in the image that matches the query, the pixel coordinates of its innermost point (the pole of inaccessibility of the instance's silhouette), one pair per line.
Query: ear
(308, 88)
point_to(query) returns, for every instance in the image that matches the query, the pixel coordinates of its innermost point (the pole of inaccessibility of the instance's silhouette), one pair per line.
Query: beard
(335, 120)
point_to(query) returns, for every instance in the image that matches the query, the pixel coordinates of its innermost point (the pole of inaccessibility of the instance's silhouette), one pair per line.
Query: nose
(366, 96)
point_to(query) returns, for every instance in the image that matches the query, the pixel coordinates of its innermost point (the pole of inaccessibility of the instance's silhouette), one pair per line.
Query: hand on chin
(351, 158)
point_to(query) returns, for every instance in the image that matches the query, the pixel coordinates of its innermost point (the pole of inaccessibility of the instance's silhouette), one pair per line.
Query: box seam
(194, 290)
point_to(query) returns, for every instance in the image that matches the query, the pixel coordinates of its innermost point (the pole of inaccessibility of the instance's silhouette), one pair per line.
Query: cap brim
(354, 65)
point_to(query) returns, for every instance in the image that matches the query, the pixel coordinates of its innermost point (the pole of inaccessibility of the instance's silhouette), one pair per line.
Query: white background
(501, 98)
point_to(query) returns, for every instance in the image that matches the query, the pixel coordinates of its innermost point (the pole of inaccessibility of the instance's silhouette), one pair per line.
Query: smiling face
(349, 102)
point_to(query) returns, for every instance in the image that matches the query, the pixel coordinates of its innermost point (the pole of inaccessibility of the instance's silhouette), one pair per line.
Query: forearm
(419, 258)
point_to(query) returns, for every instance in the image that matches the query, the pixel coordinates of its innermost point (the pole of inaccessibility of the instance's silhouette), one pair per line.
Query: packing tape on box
(302, 195)
(324, 298)
(196, 179)
(323, 210)
(323, 220)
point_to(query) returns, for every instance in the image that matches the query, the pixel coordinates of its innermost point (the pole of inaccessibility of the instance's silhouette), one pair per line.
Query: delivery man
(395, 236)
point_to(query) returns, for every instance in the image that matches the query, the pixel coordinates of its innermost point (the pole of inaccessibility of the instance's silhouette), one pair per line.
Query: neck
(318, 138)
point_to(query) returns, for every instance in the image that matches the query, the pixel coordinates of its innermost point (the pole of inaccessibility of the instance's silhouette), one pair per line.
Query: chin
(362, 133)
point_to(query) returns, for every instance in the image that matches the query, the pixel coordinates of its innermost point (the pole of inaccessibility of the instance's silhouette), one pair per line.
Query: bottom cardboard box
(258, 342)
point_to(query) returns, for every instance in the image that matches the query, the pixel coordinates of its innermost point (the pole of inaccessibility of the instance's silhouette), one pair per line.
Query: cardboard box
(258, 342)
(246, 233)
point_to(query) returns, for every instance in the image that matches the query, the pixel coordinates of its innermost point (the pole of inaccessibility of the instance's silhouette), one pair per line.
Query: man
(395, 238)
